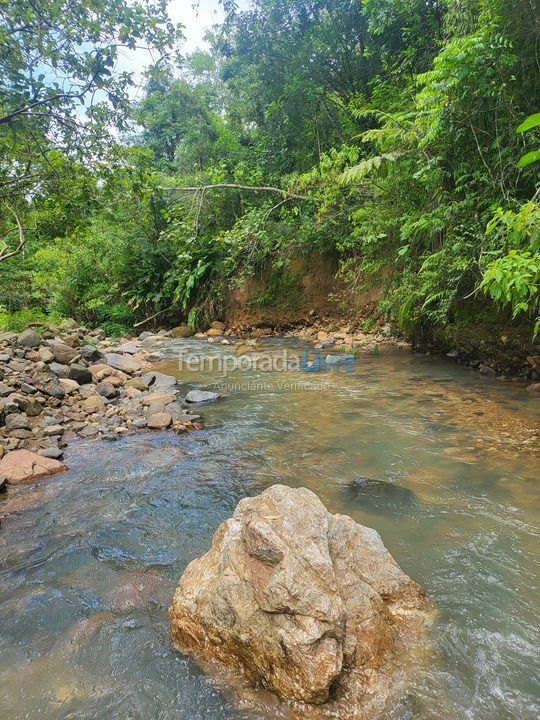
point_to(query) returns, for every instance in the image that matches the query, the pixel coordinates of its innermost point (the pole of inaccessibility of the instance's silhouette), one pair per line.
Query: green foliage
(19, 320)
(533, 121)
(392, 120)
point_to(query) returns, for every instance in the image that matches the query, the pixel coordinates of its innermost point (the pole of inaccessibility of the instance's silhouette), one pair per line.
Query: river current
(89, 559)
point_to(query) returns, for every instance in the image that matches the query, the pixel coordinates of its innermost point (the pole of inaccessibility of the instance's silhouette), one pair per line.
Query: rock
(158, 380)
(6, 390)
(45, 354)
(29, 405)
(145, 335)
(69, 386)
(125, 363)
(308, 605)
(63, 353)
(5, 357)
(8, 337)
(218, 325)
(52, 430)
(137, 383)
(182, 331)
(3, 483)
(535, 387)
(159, 421)
(17, 421)
(29, 338)
(22, 466)
(93, 404)
(129, 347)
(199, 396)
(52, 388)
(486, 370)
(61, 371)
(80, 373)
(107, 389)
(139, 423)
(100, 371)
(162, 398)
(90, 352)
(29, 389)
(51, 452)
(213, 332)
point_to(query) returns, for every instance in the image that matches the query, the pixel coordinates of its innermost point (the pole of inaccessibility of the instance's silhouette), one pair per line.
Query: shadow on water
(89, 559)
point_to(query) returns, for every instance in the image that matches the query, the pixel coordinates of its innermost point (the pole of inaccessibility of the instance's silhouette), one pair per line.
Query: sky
(197, 16)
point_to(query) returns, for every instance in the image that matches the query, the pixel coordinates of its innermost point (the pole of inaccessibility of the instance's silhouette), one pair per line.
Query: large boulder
(24, 466)
(308, 605)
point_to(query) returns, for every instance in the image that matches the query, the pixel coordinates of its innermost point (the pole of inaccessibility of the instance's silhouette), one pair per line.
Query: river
(89, 559)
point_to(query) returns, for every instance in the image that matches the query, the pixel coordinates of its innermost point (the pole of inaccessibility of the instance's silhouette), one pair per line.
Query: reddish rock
(23, 466)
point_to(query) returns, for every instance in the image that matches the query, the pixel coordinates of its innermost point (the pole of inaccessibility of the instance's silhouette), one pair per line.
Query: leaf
(530, 157)
(531, 122)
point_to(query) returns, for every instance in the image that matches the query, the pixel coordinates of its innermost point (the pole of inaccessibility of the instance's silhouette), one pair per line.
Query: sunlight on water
(89, 559)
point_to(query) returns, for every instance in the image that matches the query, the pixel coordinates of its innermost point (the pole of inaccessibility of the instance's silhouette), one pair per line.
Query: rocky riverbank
(58, 383)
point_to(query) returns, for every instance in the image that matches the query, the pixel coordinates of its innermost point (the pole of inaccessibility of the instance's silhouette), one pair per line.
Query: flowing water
(89, 559)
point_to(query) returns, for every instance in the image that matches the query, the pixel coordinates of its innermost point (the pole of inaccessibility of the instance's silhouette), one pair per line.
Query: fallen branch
(205, 188)
(143, 322)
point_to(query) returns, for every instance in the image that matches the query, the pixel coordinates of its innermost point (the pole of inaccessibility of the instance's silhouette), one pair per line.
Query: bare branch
(22, 238)
(205, 188)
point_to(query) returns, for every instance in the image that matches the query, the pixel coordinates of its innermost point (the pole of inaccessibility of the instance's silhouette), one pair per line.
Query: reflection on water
(89, 559)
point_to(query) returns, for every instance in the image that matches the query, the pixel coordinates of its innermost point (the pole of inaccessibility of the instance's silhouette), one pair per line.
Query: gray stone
(54, 453)
(200, 396)
(80, 373)
(53, 430)
(61, 371)
(125, 363)
(107, 389)
(17, 421)
(130, 348)
(29, 338)
(158, 380)
(6, 390)
(90, 352)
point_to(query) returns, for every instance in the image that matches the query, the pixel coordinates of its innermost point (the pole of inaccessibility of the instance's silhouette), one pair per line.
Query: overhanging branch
(205, 188)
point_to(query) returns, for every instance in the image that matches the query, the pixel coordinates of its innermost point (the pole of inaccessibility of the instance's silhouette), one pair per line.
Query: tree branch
(22, 238)
(205, 188)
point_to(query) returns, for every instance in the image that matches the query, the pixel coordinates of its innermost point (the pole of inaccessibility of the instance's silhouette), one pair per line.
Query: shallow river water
(89, 559)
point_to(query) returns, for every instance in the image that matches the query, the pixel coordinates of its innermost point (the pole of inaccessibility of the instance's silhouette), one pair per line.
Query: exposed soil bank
(308, 295)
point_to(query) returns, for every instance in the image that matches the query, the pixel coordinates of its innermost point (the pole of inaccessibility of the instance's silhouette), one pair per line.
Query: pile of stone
(67, 381)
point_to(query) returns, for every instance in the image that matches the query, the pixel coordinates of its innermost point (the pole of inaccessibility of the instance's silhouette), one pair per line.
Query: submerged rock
(308, 605)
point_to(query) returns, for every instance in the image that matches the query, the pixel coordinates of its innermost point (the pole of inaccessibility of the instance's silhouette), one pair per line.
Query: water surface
(89, 559)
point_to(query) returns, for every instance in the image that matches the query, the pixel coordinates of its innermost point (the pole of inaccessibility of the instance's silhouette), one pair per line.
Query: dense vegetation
(399, 136)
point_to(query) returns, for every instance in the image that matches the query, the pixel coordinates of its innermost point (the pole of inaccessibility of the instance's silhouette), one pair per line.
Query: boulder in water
(308, 605)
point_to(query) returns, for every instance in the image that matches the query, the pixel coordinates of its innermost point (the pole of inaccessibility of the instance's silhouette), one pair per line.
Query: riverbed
(89, 559)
